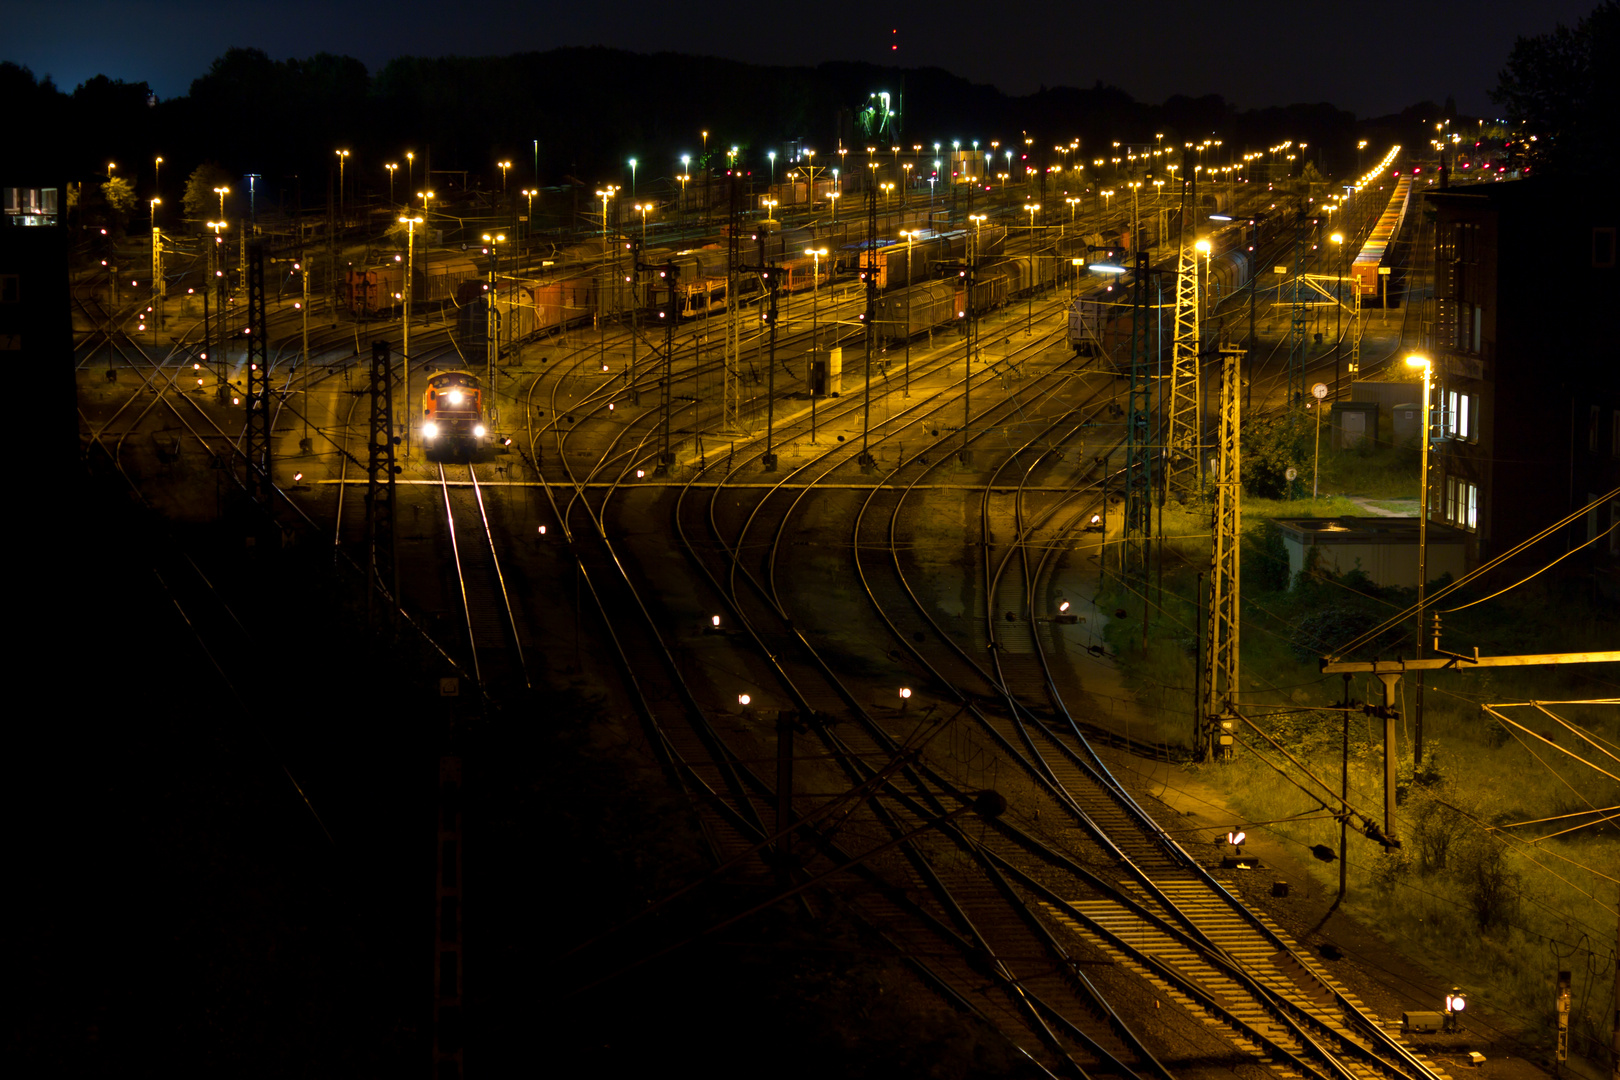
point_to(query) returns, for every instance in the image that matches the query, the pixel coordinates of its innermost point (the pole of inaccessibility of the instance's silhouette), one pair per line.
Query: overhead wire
(1447, 590)
(1544, 569)
(1577, 731)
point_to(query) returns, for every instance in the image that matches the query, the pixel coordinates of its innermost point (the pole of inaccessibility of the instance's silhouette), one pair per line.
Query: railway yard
(852, 634)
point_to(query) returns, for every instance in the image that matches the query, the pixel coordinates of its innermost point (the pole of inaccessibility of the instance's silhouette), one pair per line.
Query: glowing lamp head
(744, 699)
(905, 693)
(430, 430)
(1236, 838)
(1417, 360)
(479, 431)
(455, 397)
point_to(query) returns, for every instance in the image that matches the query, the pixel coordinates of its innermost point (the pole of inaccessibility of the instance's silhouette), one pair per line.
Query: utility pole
(870, 319)
(380, 473)
(1389, 674)
(666, 387)
(730, 394)
(305, 446)
(1185, 421)
(208, 329)
(1222, 667)
(770, 279)
(1138, 448)
(256, 443)
(410, 224)
(635, 320)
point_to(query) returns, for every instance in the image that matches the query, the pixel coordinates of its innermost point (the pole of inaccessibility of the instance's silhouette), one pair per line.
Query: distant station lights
(1378, 170)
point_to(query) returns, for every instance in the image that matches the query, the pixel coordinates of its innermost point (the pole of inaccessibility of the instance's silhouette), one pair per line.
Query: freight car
(1375, 254)
(379, 290)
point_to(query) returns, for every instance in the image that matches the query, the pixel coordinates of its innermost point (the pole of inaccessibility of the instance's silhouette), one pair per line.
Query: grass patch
(1496, 905)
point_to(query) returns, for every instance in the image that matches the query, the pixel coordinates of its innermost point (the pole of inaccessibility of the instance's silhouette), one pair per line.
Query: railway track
(1013, 871)
(495, 628)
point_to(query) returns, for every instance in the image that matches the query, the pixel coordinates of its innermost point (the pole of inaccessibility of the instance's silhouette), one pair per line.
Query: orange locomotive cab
(453, 413)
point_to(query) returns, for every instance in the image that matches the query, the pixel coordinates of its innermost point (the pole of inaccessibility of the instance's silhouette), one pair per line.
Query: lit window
(1473, 506)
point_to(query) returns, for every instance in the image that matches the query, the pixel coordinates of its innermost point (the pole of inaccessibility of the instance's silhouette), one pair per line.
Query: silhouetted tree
(120, 196)
(200, 202)
(1561, 86)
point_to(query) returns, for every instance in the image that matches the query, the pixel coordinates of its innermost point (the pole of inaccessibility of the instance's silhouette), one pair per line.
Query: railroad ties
(1291, 974)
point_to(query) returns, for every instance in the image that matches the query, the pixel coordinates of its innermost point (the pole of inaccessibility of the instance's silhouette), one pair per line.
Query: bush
(1489, 885)
(1326, 628)
(1265, 561)
(1270, 447)
(1436, 830)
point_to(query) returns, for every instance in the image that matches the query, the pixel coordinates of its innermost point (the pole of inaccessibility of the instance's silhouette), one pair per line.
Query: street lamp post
(632, 178)
(1418, 361)
(772, 156)
(1338, 314)
(530, 193)
(218, 285)
(343, 159)
(222, 192)
(410, 224)
(392, 168)
(491, 318)
(1029, 315)
(410, 170)
(504, 166)
(815, 335)
(642, 208)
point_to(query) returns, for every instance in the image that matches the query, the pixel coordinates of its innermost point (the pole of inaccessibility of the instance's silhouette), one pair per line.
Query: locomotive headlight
(455, 397)
(430, 430)
(478, 431)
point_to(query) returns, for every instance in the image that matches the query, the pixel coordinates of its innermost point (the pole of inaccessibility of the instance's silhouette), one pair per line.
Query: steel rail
(500, 578)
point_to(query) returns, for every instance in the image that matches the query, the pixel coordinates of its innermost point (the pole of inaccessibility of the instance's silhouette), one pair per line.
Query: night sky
(1371, 58)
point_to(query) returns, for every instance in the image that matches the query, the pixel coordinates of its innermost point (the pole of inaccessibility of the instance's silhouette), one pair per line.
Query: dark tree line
(583, 112)
(1562, 87)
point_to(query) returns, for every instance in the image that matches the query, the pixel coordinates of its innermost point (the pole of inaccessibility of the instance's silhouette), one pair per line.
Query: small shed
(1383, 548)
(1354, 422)
(1406, 421)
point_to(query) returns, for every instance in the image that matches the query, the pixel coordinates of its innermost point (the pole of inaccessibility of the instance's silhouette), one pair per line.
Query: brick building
(1527, 365)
